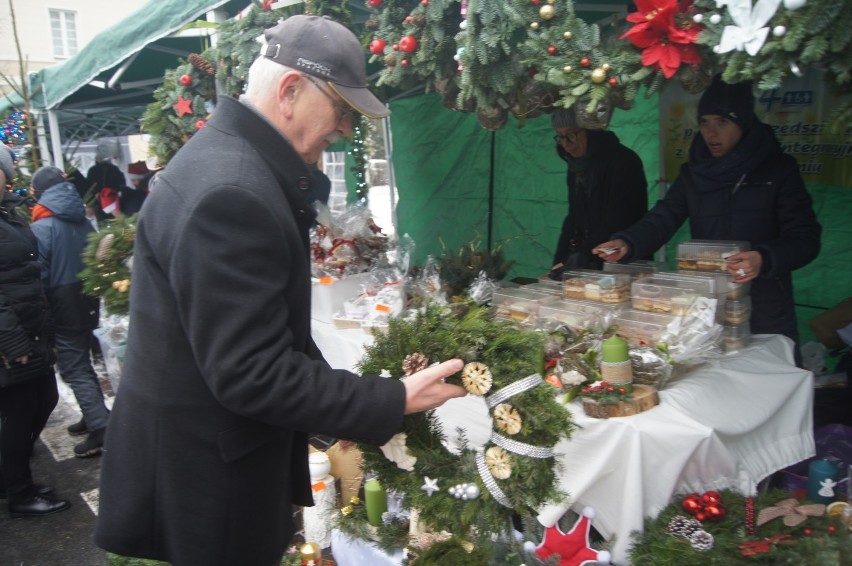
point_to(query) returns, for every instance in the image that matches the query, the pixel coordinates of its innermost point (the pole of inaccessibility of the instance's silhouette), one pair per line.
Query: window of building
(63, 32)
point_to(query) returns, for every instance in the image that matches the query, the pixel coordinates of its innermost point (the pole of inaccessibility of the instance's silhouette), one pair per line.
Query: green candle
(376, 501)
(614, 350)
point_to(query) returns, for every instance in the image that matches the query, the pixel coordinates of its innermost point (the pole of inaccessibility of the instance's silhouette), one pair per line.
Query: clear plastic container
(725, 283)
(549, 286)
(519, 305)
(641, 328)
(636, 269)
(669, 296)
(735, 336)
(558, 313)
(593, 285)
(737, 311)
(707, 255)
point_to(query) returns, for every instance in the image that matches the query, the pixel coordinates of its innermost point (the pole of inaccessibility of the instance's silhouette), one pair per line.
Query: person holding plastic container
(737, 184)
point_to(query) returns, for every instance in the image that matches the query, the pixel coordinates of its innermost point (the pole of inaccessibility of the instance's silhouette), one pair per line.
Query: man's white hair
(263, 77)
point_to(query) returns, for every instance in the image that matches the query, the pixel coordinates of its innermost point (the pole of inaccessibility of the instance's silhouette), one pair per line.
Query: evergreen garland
(107, 257)
(828, 544)
(469, 332)
(359, 158)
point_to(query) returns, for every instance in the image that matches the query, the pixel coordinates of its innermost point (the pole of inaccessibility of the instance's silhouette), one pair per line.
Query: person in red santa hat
(132, 197)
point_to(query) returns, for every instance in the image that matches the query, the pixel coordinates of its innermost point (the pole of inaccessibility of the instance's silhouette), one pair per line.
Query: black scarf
(711, 173)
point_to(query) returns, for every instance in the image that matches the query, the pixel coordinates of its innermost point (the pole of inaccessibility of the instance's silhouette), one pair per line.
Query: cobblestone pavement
(62, 539)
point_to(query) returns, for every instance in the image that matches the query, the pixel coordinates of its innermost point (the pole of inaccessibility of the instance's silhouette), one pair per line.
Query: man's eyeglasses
(569, 137)
(341, 109)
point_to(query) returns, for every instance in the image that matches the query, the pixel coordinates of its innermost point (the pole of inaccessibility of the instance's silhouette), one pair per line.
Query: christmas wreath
(107, 258)
(471, 491)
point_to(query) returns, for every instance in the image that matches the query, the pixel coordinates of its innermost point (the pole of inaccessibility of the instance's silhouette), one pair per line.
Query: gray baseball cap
(323, 48)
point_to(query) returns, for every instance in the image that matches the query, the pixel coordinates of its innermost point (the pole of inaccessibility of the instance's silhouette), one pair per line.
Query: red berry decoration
(375, 3)
(701, 516)
(831, 529)
(199, 124)
(408, 19)
(377, 46)
(808, 532)
(408, 44)
(404, 63)
(585, 62)
(395, 47)
(424, 2)
(551, 49)
(714, 512)
(535, 2)
(186, 80)
(613, 81)
(711, 498)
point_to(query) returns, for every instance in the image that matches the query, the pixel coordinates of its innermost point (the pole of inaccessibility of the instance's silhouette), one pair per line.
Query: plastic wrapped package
(348, 243)
(112, 336)
(481, 291)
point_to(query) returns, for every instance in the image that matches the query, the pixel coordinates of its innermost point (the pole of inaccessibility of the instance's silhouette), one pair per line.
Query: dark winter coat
(755, 194)
(206, 447)
(617, 197)
(24, 316)
(62, 239)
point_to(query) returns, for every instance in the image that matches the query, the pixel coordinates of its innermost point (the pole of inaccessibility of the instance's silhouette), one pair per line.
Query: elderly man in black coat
(206, 448)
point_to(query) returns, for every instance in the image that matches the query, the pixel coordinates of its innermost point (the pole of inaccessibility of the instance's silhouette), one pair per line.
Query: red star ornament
(183, 106)
(572, 547)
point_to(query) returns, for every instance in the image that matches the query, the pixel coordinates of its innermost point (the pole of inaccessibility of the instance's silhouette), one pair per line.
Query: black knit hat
(733, 101)
(46, 177)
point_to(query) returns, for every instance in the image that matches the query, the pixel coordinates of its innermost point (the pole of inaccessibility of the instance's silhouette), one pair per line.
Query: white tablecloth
(728, 424)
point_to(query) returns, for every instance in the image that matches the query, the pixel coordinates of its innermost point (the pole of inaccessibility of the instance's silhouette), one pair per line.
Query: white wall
(33, 23)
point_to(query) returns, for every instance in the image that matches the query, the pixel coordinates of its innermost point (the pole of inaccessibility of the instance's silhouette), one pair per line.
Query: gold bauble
(568, 68)
(605, 66)
(567, 35)
(547, 12)
(598, 76)
(534, 25)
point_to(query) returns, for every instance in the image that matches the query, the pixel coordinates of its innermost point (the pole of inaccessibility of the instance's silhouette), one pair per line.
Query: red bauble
(535, 2)
(808, 532)
(613, 81)
(424, 2)
(199, 124)
(408, 19)
(375, 3)
(691, 503)
(404, 63)
(714, 512)
(408, 44)
(701, 516)
(377, 46)
(395, 47)
(186, 80)
(831, 529)
(552, 49)
(585, 62)
(711, 498)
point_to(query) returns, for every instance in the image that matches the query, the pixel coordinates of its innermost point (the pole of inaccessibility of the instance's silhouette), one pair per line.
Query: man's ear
(289, 88)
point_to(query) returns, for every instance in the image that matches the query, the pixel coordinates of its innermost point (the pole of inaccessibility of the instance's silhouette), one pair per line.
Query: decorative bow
(793, 513)
(760, 546)
(750, 30)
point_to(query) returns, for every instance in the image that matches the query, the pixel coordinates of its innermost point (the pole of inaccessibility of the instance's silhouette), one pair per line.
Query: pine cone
(202, 64)
(702, 541)
(104, 246)
(372, 24)
(695, 78)
(682, 526)
(414, 363)
(492, 118)
(418, 19)
(390, 60)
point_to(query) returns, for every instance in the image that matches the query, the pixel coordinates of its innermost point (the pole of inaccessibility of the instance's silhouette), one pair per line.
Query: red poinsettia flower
(665, 33)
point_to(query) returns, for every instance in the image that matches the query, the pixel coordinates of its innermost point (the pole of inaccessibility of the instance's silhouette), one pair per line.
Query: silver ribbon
(489, 481)
(520, 447)
(513, 389)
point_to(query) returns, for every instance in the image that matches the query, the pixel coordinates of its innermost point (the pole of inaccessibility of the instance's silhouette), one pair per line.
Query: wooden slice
(644, 397)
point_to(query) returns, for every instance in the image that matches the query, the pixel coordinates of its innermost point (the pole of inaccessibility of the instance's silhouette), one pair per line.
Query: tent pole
(41, 135)
(391, 177)
(55, 139)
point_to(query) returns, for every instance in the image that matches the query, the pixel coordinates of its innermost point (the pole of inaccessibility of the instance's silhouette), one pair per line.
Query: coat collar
(290, 170)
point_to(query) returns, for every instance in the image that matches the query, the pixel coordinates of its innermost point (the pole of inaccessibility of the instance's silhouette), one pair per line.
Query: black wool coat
(617, 197)
(206, 447)
(755, 194)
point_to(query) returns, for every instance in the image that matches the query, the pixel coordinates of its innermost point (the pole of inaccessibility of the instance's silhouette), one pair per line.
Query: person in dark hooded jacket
(28, 391)
(737, 184)
(607, 191)
(60, 224)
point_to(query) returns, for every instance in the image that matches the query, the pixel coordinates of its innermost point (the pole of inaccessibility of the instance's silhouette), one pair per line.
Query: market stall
(727, 424)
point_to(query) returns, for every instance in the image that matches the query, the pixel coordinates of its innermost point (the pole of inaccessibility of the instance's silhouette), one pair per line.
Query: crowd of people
(206, 447)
